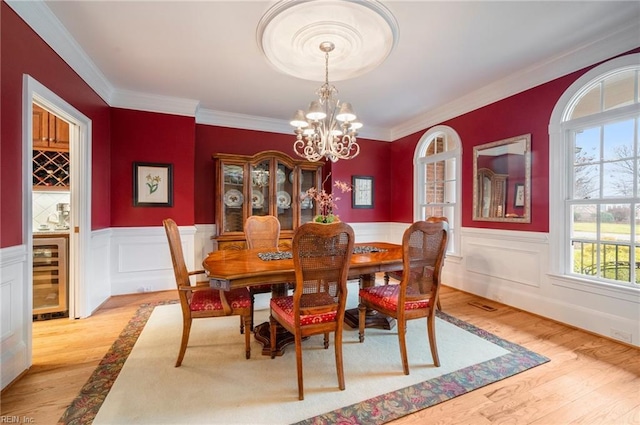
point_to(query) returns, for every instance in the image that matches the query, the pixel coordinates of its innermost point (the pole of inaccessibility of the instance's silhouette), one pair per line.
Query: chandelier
(329, 128)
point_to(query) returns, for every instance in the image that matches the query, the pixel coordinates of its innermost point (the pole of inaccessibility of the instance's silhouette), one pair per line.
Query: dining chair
(200, 300)
(423, 248)
(261, 232)
(321, 256)
(397, 274)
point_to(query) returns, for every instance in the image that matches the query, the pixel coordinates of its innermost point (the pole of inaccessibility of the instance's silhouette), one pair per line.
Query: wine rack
(50, 169)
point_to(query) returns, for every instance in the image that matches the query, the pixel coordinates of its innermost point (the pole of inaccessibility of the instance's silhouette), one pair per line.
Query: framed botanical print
(362, 191)
(152, 185)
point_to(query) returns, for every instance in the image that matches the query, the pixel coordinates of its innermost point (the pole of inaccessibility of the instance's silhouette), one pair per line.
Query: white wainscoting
(512, 268)
(98, 289)
(15, 329)
(140, 259)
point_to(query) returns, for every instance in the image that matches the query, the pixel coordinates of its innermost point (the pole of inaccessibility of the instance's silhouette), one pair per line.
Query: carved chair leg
(402, 330)
(298, 342)
(362, 311)
(339, 365)
(326, 340)
(431, 329)
(186, 329)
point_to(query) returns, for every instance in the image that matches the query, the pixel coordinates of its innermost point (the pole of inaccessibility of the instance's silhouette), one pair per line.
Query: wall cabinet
(268, 183)
(49, 131)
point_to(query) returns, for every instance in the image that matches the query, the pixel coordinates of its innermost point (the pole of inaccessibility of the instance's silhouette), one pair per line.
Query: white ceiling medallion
(364, 33)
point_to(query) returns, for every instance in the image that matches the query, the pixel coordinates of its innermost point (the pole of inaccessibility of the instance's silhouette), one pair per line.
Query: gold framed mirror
(502, 180)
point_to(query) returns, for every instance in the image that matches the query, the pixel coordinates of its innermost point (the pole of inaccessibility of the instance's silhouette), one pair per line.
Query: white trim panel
(14, 330)
(141, 261)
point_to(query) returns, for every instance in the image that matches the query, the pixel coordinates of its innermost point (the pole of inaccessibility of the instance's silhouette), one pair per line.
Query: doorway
(51, 214)
(79, 216)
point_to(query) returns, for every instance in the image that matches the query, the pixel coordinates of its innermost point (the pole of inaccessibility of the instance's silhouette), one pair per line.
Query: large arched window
(437, 180)
(595, 156)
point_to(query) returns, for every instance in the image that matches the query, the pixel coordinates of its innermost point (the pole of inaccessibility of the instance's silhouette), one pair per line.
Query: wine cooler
(50, 278)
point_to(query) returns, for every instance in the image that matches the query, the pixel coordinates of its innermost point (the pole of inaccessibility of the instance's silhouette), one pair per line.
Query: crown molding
(250, 122)
(626, 38)
(40, 18)
(154, 103)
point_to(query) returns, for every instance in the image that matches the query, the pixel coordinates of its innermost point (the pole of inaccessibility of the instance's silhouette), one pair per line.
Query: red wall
(121, 137)
(526, 112)
(23, 52)
(212, 139)
(156, 138)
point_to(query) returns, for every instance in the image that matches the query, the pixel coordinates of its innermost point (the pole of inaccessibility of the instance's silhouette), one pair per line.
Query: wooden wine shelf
(50, 169)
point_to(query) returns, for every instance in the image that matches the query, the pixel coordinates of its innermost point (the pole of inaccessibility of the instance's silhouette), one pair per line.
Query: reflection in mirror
(502, 180)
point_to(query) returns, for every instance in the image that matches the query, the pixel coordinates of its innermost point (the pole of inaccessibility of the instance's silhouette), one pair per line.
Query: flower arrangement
(326, 201)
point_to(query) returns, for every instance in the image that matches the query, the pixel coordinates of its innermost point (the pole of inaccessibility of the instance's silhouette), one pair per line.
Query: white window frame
(419, 159)
(560, 180)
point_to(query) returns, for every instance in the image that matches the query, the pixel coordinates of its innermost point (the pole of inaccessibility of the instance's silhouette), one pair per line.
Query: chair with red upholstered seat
(423, 247)
(321, 256)
(261, 232)
(202, 301)
(397, 274)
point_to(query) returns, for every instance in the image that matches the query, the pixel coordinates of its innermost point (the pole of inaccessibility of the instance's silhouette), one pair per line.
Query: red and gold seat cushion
(210, 299)
(283, 306)
(387, 296)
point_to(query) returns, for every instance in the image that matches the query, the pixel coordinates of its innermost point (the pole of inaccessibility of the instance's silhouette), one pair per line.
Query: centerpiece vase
(326, 219)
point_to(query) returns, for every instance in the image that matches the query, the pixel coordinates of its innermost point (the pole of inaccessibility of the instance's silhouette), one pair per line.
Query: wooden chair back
(424, 245)
(321, 256)
(177, 256)
(262, 231)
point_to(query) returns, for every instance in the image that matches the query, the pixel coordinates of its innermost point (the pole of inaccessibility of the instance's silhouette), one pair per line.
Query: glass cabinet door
(260, 190)
(233, 197)
(307, 205)
(284, 196)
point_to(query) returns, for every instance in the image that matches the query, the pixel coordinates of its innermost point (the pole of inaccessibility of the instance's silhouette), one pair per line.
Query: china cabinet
(268, 183)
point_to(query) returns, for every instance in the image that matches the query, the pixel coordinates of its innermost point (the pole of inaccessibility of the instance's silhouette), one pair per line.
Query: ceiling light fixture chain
(329, 128)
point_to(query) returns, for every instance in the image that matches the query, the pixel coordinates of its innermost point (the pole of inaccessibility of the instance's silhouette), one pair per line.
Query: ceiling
(450, 57)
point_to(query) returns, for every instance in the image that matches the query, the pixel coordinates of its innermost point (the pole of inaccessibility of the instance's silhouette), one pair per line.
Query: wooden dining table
(229, 269)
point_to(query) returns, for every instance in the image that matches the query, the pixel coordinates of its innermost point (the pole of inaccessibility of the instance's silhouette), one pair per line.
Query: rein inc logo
(6, 419)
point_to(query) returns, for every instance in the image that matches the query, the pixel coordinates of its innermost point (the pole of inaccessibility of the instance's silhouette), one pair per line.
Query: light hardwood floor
(589, 380)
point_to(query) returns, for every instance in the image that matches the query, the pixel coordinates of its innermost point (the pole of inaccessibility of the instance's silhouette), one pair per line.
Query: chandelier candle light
(329, 127)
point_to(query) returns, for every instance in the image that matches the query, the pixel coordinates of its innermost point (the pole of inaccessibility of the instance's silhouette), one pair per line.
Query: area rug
(137, 382)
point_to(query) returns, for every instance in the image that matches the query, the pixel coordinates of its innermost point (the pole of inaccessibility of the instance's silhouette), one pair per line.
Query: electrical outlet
(621, 335)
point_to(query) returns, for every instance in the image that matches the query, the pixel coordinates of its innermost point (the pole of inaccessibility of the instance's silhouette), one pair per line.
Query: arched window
(437, 180)
(595, 156)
